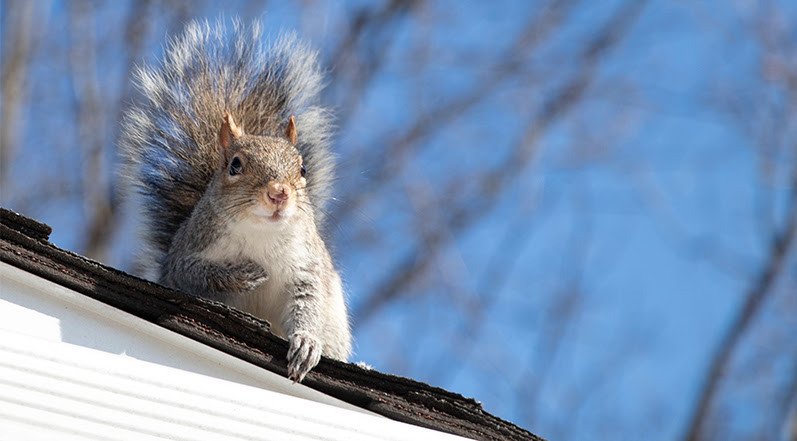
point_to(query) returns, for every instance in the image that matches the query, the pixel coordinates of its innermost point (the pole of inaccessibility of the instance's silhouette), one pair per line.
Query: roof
(24, 244)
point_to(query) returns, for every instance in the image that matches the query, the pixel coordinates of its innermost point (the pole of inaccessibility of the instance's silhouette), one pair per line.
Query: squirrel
(230, 153)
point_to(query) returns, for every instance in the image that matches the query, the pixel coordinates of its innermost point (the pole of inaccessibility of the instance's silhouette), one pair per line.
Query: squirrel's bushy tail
(170, 140)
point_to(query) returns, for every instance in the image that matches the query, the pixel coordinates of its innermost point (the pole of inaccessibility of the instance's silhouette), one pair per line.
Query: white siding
(75, 368)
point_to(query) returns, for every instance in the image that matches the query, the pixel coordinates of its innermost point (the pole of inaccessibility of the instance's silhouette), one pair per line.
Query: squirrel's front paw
(247, 276)
(303, 354)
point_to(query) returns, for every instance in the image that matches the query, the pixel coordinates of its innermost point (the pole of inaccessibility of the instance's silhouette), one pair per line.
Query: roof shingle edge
(23, 243)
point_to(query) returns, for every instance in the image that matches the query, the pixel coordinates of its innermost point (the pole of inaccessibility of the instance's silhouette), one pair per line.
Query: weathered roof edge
(24, 244)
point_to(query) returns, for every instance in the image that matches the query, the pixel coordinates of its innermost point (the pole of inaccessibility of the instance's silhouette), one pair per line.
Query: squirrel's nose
(278, 193)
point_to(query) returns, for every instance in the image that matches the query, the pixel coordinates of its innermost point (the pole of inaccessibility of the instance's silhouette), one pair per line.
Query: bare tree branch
(100, 188)
(460, 217)
(370, 31)
(536, 30)
(780, 246)
(17, 48)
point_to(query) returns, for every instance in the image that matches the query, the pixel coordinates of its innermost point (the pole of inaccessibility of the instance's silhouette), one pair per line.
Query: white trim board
(37, 307)
(75, 368)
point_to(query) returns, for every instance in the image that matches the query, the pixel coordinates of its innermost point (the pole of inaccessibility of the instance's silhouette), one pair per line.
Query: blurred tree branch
(518, 89)
(781, 244)
(768, 31)
(461, 214)
(89, 110)
(362, 52)
(381, 173)
(18, 45)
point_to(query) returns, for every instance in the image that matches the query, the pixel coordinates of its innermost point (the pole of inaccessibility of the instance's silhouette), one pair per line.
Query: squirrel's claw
(304, 353)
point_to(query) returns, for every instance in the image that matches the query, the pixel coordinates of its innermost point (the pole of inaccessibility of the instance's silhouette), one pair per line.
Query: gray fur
(169, 140)
(183, 267)
(216, 233)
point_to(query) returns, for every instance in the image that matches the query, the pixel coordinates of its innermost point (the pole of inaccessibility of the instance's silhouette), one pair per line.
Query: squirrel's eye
(236, 168)
(304, 171)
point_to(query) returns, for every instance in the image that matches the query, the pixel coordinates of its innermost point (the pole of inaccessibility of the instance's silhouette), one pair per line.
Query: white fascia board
(55, 390)
(75, 368)
(37, 307)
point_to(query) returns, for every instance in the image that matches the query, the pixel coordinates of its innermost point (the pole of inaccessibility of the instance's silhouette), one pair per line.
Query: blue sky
(645, 200)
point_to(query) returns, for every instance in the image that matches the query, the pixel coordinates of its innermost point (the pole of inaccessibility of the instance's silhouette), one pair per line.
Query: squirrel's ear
(290, 131)
(229, 131)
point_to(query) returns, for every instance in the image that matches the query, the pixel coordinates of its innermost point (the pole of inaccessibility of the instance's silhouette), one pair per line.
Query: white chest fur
(279, 249)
